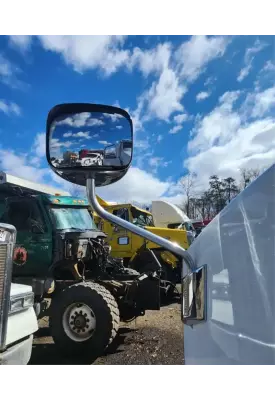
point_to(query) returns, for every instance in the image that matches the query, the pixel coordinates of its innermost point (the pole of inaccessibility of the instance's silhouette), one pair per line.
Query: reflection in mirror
(90, 139)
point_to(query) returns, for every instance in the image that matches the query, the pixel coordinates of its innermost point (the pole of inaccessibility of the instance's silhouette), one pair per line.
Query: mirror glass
(90, 140)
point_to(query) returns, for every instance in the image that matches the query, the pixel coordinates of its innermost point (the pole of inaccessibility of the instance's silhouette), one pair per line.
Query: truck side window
(23, 215)
(122, 213)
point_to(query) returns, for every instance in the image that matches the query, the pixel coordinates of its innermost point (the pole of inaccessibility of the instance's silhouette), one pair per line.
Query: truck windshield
(72, 218)
(141, 219)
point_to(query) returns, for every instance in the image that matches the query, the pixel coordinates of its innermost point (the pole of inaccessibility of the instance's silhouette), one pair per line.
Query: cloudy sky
(203, 104)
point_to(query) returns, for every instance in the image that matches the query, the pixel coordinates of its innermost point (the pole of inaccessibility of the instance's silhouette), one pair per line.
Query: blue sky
(202, 104)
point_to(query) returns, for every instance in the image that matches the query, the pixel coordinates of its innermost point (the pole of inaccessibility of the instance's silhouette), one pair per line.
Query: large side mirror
(92, 145)
(85, 141)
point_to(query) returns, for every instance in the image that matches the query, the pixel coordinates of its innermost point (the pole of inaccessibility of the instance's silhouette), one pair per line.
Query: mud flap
(145, 292)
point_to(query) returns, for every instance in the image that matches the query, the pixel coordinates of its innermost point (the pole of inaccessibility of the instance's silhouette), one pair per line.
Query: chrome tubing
(172, 247)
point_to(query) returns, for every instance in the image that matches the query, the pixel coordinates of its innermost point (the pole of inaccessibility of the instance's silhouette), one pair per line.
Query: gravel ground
(156, 338)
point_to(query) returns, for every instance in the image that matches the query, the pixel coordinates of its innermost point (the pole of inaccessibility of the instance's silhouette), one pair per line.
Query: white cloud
(9, 108)
(137, 119)
(248, 59)
(17, 165)
(88, 52)
(210, 80)
(180, 118)
(176, 129)
(55, 146)
(9, 74)
(39, 146)
(175, 70)
(164, 97)
(104, 142)
(26, 167)
(55, 143)
(80, 134)
(85, 135)
(217, 126)
(159, 138)
(202, 96)
(6, 68)
(141, 144)
(257, 104)
(193, 55)
(157, 162)
(256, 48)
(114, 117)
(153, 60)
(269, 66)
(227, 139)
(23, 42)
(137, 185)
(80, 120)
(244, 72)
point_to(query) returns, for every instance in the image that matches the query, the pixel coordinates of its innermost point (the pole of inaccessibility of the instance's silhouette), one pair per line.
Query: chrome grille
(7, 241)
(3, 257)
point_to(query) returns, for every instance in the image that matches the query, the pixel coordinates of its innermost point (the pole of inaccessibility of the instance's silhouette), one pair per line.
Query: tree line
(219, 193)
(201, 204)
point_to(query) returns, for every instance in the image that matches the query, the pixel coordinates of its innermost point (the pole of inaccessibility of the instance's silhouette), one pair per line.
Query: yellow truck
(136, 252)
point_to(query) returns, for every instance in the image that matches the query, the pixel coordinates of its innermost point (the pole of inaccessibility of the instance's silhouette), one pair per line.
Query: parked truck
(64, 257)
(169, 215)
(17, 317)
(134, 250)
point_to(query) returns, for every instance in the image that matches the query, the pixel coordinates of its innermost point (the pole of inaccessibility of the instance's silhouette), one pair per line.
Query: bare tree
(248, 175)
(188, 183)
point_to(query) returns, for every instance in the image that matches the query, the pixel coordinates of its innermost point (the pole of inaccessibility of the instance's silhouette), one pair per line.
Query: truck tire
(84, 319)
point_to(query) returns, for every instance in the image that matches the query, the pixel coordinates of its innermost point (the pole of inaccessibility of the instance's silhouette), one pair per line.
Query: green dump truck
(62, 254)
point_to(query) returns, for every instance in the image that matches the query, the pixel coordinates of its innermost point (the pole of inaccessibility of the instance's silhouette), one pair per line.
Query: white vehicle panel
(238, 247)
(20, 325)
(23, 323)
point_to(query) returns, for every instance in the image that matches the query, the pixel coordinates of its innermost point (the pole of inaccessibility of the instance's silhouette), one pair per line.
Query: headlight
(20, 303)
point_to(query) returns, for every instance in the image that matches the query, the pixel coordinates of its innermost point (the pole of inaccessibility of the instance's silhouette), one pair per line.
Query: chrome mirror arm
(173, 247)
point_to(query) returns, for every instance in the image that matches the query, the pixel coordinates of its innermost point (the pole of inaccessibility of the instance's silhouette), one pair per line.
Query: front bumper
(18, 354)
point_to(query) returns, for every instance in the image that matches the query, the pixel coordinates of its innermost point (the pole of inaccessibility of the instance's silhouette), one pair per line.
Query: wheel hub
(79, 322)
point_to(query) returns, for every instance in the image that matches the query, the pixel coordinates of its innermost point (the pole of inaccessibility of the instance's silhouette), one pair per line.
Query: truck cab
(169, 215)
(124, 242)
(45, 221)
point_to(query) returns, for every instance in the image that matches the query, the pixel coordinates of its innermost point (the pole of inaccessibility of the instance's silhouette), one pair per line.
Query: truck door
(33, 250)
(121, 239)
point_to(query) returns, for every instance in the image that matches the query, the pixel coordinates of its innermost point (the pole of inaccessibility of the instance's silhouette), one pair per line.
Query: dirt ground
(156, 338)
